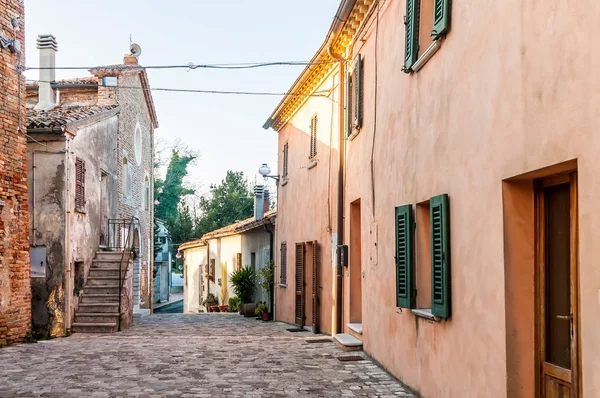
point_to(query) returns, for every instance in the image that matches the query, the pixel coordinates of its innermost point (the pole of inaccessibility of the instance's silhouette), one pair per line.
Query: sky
(225, 130)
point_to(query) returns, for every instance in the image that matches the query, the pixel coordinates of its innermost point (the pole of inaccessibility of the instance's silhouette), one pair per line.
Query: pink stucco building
(451, 147)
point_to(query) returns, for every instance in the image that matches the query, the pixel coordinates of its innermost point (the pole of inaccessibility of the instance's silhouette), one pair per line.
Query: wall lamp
(265, 172)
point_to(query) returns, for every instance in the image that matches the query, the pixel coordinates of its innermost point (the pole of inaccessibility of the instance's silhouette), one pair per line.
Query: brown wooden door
(300, 250)
(558, 287)
(315, 289)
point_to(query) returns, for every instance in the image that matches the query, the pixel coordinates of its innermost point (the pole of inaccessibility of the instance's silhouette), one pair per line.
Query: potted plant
(262, 312)
(266, 278)
(210, 302)
(244, 285)
(233, 304)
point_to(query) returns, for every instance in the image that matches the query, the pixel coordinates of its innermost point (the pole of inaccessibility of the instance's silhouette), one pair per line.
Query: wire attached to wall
(374, 114)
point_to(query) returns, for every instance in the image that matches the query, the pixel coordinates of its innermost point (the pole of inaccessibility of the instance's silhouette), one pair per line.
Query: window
(253, 261)
(238, 261)
(432, 230)
(137, 144)
(285, 160)
(146, 193)
(313, 136)
(79, 185)
(283, 272)
(353, 98)
(126, 179)
(212, 269)
(426, 22)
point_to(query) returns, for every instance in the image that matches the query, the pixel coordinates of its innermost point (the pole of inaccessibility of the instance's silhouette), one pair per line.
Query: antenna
(135, 49)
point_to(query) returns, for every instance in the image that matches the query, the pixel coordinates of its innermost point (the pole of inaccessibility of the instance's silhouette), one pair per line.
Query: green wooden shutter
(411, 21)
(347, 103)
(358, 92)
(441, 18)
(440, 256)
(405, 296)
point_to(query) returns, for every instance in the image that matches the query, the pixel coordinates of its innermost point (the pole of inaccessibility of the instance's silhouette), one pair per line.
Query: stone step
(108, 289)
(103, 280)
(103, 264)
(99, 298)
(94, 327)
(355, 329)
(348, 342)
(111, 255)
(96, 317)
(99, 307)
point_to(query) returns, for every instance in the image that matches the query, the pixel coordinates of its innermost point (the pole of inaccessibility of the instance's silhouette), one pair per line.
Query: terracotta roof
(63, 115)
(192, 244)
(73, 80)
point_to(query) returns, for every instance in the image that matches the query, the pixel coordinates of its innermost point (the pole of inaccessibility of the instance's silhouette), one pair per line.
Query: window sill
(426, 56)
(426, 313)
(312, 164)
(282, 285)
(284, 182)
(80, 211)
(354, 134)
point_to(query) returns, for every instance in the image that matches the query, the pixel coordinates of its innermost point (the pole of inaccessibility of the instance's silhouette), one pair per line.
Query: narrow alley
(204, 355)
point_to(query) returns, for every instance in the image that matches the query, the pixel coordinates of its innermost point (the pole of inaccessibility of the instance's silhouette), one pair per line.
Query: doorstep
(348, 342)
(355, 327)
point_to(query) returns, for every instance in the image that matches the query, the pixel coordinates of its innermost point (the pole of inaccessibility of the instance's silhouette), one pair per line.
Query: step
(355, 328)
(99, 307)
(96, 317)
(348, 342)
(99, 298)
(94, 327)
(103, 264)
(103, 280)
(108, 289)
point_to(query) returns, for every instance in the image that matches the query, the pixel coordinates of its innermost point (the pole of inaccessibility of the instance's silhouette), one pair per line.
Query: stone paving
(204, 355)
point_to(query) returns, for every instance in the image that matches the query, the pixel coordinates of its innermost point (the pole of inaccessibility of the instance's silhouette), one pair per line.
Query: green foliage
(210, 299)
(261, 309)
(168, 192)
(228, 202)
(265, 278)
(233, 303)
(244, 284)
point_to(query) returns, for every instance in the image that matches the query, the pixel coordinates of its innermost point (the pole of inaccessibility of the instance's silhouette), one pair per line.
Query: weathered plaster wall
(490, 105)
(53, 181)
(315, 192)
(194, 261)
(134, 114)
(224, 251)
(15, 291)
(256, 241)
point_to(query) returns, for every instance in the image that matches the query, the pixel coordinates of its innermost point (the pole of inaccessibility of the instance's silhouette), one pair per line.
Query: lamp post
(265, 171)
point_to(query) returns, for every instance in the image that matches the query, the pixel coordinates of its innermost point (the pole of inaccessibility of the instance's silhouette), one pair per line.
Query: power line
(190, 66)
(323, 93)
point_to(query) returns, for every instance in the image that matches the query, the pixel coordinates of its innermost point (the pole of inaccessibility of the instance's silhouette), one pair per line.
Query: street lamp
(265, 171)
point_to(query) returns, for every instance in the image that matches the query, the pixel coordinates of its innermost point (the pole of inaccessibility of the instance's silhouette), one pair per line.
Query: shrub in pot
(265, 282)
(210, 302)
(244, 285)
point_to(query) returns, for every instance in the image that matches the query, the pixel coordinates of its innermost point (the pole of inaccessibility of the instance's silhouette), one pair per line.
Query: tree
(170, 191)
(230, 201)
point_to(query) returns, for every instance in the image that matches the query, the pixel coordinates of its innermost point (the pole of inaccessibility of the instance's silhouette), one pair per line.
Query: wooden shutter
(411, 22)
(238, 261)
(315, 288)
(300, 250)
(283, 271)
(405, 225)
(440, 256)
(348, 105)
(212, 269)
(79, 184)
(358, 92)
(285, 160)
(441, 18)
(313, 136)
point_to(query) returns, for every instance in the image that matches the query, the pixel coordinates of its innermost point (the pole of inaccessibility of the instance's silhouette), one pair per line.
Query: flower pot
(241, 308)
(249, 309)
(266, 316)
(223, 308)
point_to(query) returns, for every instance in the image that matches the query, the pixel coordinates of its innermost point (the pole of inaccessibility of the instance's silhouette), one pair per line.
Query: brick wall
(15, 290)
(135, 114)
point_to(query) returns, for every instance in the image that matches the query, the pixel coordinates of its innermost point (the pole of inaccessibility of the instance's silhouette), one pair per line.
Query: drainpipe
(67, 255)
(340, 19)
(272, 287)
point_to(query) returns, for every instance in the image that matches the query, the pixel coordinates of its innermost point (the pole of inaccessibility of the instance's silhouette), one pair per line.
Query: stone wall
(15, 291)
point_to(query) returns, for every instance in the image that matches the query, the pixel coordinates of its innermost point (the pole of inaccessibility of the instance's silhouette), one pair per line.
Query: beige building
(451, 149)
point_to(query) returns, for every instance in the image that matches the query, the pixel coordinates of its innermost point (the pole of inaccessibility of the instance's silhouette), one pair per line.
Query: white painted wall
(194, 260)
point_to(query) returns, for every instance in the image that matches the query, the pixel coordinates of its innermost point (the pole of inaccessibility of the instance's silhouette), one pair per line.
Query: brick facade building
(15, 291)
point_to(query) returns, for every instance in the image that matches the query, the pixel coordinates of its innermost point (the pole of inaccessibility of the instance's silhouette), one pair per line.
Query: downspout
(271, 264)
(340, 20)
(67, 255)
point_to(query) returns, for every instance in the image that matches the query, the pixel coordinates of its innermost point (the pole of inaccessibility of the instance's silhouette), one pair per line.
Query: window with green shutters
(440, 256)
(358, 92)
(441, 18)
(411, 23)
(405, 297)
(348, 105)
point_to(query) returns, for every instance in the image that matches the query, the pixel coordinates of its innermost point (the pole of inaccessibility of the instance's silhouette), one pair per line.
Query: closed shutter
(441, 18)
(315, 287)
(348, 105)
(79, 184)
(285, 160)
(440, 256)
(299, 307)
(283, 271)
(313, 136)
(212, 269)
(238, 261)
(358, 92)
(411, 22)
(405, 296)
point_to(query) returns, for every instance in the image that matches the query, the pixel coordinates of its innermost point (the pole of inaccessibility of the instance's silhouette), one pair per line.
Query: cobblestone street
(190, 356)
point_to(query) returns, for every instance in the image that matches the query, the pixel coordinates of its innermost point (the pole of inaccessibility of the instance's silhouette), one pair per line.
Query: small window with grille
(313, 136)
(283, 268)
(285, 160)
(80, 185)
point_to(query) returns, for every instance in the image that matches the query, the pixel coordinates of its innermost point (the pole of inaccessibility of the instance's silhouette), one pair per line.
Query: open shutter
(411, 22)
(405, 296)
(348, 105)
(238, 261)
(441, 18)
(440, 256)
(283, 271)
(300, 250)
(315, 287)
(358, 92)
(79, 184)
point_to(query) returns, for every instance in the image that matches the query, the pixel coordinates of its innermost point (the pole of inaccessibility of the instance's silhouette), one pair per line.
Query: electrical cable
(322, 93)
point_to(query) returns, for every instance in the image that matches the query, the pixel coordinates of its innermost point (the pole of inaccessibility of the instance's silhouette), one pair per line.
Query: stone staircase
(350, 341)
(98, 310)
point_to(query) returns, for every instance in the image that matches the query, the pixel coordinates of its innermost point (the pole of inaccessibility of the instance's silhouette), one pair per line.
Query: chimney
(48, 47)
(129, 59)
(259, 202)
(266, 201)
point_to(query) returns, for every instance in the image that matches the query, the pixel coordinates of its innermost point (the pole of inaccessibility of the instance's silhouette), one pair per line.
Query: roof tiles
(63, 115)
